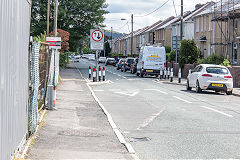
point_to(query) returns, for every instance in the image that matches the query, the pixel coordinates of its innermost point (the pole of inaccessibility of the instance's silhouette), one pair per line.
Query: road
(165, 121)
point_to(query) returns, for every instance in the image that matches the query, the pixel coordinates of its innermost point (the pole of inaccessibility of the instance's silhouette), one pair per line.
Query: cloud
(119, 9)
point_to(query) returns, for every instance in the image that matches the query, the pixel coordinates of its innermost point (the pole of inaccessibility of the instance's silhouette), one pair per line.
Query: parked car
(102, 59)
(120, 63)
(110, 61)
(151, 59)
(210, 77)
(133, 68)
(127, 64)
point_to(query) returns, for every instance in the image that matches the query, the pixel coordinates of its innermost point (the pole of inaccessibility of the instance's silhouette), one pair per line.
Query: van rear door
(155, 58)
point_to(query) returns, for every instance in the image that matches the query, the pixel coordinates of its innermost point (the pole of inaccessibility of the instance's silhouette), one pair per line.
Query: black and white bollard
(161, 73)
(90, 72)
(171, 75)
(103, 74)
(179, 75)
(99, 73)
(165, 73)
(168, 73)
(94, 75)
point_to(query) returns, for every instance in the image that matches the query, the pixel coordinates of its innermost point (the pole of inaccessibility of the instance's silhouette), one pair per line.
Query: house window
(235, 25)
(197, 24)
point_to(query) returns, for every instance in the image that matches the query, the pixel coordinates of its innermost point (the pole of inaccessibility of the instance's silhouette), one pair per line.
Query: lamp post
(131, 33)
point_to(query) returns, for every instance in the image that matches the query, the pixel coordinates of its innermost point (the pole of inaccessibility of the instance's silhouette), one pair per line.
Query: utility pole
(181, 30)
(55, 17)
(48, 15)
(111, 39)
(132, 36)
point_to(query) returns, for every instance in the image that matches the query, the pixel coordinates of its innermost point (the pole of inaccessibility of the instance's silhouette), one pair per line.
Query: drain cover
(139, 139)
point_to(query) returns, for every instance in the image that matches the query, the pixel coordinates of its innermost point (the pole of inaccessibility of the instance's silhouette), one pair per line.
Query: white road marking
(182, 99)
(128, 94)
(149, 120)
(114, 90)
(156, 90)
(99, 90)
(217, 111)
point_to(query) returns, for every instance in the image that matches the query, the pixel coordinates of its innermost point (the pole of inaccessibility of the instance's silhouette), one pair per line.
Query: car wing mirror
(190, 71)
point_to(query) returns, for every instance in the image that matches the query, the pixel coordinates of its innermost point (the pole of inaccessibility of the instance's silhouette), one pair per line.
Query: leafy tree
(188, 52)
(75, 16)
(168, 49)
(107, 49)
(172, 56)
(212, 59)
(86, 50)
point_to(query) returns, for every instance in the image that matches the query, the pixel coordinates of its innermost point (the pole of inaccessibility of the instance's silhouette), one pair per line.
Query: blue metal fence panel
(14, 40)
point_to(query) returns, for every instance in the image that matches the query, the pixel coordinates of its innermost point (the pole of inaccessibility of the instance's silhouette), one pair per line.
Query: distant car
(126, 66)
(77, 58)
(210, 77)
(91, 57)
(102, 59)
(120, 63)
(133, 68)
(110, 61)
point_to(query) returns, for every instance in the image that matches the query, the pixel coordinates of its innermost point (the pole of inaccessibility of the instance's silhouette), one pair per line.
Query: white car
(210, 77)
(102, 59)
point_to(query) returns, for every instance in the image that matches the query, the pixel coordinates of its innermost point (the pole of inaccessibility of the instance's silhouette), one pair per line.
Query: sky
(122, 9)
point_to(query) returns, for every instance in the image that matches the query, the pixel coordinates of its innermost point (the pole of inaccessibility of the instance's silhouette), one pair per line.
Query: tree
(75, 16)
(189, 52)
(107, 49)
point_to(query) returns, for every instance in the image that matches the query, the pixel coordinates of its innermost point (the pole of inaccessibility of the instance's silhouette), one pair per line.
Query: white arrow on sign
(131, 94)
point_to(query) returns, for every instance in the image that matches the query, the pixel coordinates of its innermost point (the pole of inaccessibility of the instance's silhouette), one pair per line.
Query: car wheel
(198, 89)
(187, 87)
(121, 69)
(138, 74)
(229, 92)
(125, 69)
(131, 71)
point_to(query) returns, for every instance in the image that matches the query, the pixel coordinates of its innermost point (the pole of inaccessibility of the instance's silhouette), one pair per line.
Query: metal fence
(14, 40)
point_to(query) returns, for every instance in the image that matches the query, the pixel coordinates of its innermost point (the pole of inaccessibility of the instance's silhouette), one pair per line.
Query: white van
(151, 59)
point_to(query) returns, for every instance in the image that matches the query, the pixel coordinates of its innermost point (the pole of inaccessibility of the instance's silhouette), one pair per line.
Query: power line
(154, 10)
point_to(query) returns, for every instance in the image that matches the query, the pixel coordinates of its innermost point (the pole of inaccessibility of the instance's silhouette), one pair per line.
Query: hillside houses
(213, 26)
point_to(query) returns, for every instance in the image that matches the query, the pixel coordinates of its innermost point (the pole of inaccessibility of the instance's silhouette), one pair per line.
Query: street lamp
(123, 19)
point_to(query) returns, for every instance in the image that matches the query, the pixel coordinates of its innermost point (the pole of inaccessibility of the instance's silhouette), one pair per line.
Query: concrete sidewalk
(236, 91)
(78, 129)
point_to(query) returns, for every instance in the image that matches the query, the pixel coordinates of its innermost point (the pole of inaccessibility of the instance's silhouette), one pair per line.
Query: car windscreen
(130, 61)
(217, 70)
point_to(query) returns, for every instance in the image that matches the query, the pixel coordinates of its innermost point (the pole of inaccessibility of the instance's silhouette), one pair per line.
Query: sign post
(97, 42)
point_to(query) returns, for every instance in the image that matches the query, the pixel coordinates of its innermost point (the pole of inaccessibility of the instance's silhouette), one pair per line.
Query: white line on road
(99, 90)
(217, 111)
(128, 94)
(149, 120)
(156, 90)
(182, 99)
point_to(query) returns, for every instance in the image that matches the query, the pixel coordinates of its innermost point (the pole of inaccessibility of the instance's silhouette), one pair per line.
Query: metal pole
(96, 62)
(55, 17)
(48, 14)
(181, 31)
(132, 36)
(111, 40)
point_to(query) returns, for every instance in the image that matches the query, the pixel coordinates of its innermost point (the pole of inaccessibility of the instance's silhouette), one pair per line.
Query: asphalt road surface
(165, 121)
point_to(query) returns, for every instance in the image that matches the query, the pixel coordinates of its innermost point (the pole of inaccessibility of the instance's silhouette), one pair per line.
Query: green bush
(168, 49)
(189, 52)
(212, 59)
(172, 56)
(63, 60)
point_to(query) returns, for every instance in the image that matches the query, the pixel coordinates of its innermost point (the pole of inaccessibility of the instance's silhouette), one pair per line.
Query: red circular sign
(97, 35)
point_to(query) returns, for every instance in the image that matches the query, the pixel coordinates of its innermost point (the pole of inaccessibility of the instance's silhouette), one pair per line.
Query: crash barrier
(168, 73)
(90, 72)
(179, 75)
(94, 75)
(104, 73)
(99, 73)
(171, 75)
(161, 73)
(165, 73)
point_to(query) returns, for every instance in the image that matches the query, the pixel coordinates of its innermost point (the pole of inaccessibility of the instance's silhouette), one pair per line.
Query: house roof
(225, 6)
(153, 26)
(174, 20)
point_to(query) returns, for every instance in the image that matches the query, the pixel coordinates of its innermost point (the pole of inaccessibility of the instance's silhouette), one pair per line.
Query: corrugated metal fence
(14, 40)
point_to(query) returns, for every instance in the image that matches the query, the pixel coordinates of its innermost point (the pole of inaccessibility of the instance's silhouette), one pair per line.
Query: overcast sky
(124, 8)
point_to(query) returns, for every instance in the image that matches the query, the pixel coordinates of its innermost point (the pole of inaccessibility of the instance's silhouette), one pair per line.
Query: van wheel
(229, 92)
(198, 89)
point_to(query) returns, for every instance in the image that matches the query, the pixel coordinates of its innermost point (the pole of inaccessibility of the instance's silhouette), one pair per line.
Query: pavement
(165, 121)
(78, 129)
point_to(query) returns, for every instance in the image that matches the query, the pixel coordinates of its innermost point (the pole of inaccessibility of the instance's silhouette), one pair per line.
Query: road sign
(55, 42)
(176, 42)
(97, 39)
